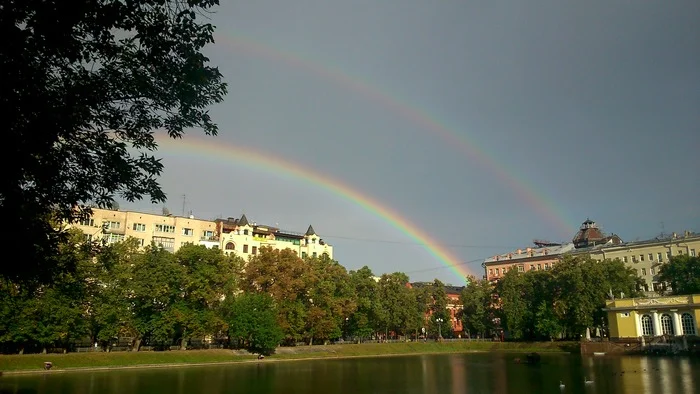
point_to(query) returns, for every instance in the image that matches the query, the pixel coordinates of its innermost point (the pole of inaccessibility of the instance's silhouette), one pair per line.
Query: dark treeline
(565, 301)
(161, 299)
(156, 299)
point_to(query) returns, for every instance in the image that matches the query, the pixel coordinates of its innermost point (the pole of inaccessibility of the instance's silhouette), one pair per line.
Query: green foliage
(253, 321)
(683, 274)
(565, 300)
(476, 298)
(85, 86)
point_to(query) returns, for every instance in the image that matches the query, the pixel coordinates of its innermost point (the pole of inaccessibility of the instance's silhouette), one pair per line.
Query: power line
(418, 243)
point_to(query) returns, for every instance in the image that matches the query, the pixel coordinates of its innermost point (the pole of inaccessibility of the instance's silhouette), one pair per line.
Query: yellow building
(650, 317)
(170, 232)
(245, 239)
(647, 257)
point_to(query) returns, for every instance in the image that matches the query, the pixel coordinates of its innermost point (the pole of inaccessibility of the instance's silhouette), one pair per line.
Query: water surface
(430, 374)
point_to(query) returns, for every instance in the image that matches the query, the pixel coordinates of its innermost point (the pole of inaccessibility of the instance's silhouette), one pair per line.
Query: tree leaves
(85, 87)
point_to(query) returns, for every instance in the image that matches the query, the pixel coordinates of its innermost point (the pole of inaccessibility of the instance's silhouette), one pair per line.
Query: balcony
(212, 239)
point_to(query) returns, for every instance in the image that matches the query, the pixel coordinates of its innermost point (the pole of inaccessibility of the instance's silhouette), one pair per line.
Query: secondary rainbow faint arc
(258, 159)
(537, 200)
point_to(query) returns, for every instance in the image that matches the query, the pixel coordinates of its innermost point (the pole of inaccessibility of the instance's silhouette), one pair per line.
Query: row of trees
(566, 300)
(160, 298)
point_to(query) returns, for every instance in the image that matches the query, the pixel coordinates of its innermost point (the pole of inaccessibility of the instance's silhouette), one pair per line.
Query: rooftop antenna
(184, 199)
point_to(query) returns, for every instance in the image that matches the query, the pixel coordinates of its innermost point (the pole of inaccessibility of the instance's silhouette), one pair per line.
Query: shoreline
(80, 362)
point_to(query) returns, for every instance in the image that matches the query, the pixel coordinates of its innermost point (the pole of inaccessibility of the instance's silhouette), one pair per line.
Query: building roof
(310, 231)
(243, 221)
(530, 253)
(449, 289)
(633, 244)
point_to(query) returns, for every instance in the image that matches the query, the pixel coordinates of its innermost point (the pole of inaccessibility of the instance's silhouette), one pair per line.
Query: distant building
(170, 232)
(541, 257)
(647, 257)
(245, 239)
(653, 317)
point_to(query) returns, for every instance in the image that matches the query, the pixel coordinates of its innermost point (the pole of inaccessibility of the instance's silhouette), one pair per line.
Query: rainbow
(277, 165)
(522, 188)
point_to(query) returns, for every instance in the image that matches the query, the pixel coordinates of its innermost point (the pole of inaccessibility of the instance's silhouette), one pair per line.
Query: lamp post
(439, 321)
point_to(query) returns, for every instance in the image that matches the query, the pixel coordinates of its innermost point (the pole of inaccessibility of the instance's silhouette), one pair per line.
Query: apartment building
(542, 256)
(647, 257)
(245, 239)
(172, 232)
(168, 231)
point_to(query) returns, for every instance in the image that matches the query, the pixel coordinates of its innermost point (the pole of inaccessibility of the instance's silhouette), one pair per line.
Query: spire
(243, 221)
(310, 231)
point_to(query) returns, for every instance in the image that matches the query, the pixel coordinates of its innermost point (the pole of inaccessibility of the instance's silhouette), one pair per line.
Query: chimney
(520, 251)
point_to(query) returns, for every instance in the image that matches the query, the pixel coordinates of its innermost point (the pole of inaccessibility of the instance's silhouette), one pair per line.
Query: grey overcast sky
(483, 124)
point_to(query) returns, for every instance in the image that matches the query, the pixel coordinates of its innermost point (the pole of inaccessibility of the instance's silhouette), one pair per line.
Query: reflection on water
(429, 374)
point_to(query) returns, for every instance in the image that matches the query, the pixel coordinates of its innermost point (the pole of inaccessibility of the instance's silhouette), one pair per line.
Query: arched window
(647, 326)
(666, 325)
(688, 324)
(230, 246)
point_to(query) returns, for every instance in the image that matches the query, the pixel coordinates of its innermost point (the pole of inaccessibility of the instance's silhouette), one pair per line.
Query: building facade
(172, 232)
(245, 239)
(647, 257)
(541, 257)
(652, 317)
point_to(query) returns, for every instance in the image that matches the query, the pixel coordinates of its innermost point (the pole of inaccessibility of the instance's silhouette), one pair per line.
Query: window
(88, 237)
(680, 253)
(497, 271)
(188, 232)
(164, 228)
(647, 326)
(641, 257)
(230, 246)
(245, 232)
(314, 254)
(165, 243)
(688, 324)
(207, 234)
(141, 241)
(652, 271)
(634, 259)
(521, 268)
(490, 271)
(651, 256)
(546, 266)
(88, 222)
(668, 255)
(303, 255)
(644, 272)
(255, 250)
(666, 325)
(656, 286)
(111, 225)
(114, 238)
(624, 259)
(539, 267)
(692, 252)
(659, 257)
(140, 227)
(245, 248)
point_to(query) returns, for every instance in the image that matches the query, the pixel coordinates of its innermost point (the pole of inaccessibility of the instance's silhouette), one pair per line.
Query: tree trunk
(21, 350)
(311, 341)
(137, 344)
(43, 350)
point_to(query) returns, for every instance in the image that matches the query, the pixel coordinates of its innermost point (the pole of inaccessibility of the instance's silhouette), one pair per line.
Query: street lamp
(439, 321)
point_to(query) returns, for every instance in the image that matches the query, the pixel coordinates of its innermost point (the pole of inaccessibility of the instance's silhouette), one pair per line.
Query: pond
(453, 373)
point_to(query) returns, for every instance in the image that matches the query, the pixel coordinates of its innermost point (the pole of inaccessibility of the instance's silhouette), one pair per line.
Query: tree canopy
(682, 273)
(86, 85)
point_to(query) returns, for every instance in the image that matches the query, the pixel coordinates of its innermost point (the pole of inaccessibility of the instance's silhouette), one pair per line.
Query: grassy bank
(34, 362)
